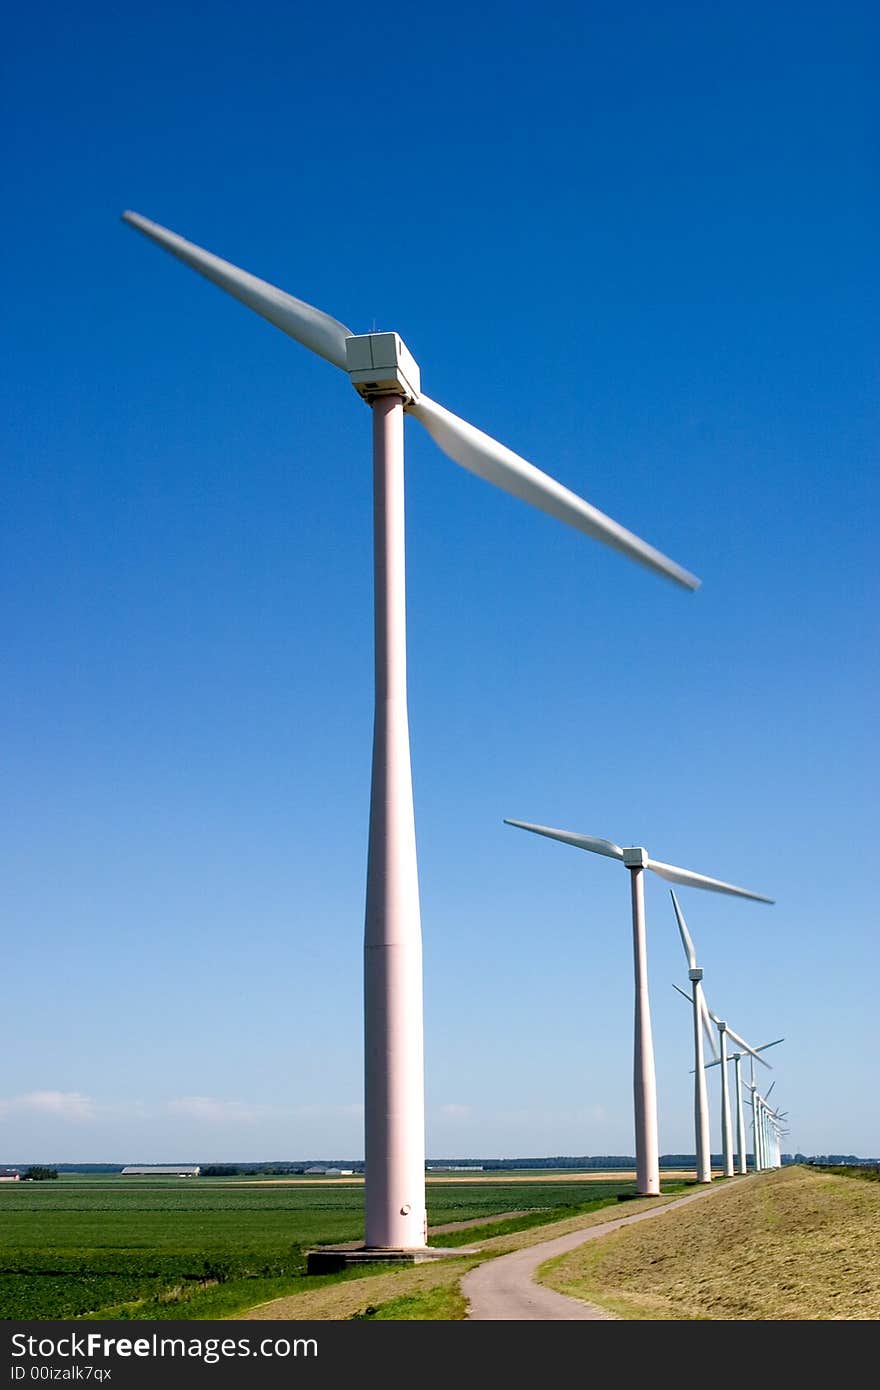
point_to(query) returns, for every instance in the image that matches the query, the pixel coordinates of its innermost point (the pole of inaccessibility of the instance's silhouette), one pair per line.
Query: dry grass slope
(783, 1246)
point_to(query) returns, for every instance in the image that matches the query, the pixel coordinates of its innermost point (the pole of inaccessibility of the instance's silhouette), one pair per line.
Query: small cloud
(211, 1111)
(64, 1105)
(319, 1112)
(455, 1112)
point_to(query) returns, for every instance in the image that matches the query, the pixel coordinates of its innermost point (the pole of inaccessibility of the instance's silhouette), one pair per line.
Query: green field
(189, 1248)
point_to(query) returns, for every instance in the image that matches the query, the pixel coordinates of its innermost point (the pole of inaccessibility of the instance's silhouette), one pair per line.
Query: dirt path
(504, 1289)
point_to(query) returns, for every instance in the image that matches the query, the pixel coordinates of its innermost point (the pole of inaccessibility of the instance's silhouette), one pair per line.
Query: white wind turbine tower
(701, 1021)
(384, 373)
(736, 1058)
(774, 1129)
(777, 1118)
(756, 1120)
(636, 859)
(771, 1131)
(766, 1135)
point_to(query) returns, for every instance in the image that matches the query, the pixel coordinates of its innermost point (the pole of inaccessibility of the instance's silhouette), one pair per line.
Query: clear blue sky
(637, 243)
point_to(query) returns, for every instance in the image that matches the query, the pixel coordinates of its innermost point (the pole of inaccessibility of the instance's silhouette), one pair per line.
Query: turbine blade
(309, 326)
(689, 879)
(481, 454)
(568, 837)
(707, 1028)
(741, 1042)
(764, 1046)
(685, 935)
(769, 1089)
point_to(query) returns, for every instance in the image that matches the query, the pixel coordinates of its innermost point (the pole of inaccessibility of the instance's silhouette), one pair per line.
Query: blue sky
(637, 243)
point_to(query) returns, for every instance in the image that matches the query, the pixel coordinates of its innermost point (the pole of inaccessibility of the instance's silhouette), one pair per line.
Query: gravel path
(504, 1289)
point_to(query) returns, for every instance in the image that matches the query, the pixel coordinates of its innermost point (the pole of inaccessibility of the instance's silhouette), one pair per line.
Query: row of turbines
(385, 375)
(766, 1123)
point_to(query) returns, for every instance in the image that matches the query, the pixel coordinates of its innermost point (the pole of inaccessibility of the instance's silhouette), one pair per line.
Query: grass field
(193, 1248)
(794, 1244)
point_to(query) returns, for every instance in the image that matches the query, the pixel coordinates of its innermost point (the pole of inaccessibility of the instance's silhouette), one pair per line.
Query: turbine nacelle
(635, 857)
(381, 364)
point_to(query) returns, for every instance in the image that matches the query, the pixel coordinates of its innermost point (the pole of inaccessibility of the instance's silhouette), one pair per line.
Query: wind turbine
(724, 1029)
(757, 1141)
(701, 1021)
(384, 373)
(777, 1118)
(736, 1058)
(760, 1126)
(636, 859)
(769, 1128)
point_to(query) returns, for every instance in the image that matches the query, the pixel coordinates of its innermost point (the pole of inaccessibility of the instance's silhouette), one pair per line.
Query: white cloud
(456, 1112)
(64, 1105)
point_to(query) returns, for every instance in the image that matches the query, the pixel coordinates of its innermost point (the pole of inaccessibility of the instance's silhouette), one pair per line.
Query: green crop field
(188, 1248)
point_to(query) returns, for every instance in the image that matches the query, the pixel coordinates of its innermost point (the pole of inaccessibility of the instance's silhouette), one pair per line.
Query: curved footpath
(504, 1289)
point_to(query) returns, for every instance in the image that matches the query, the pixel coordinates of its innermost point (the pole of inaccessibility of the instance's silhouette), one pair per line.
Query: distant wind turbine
(736, 1058)
(763, 1135)
(757, 1121)
(384, 373)
(636, 859)
(725, 1031)
(701, 1022)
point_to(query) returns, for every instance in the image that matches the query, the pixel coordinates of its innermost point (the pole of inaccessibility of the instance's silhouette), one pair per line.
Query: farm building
(10, 1175)
(145, 1170)
(455, 1167)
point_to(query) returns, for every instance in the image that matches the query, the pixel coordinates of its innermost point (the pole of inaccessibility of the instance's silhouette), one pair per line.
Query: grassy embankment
(793, 1244)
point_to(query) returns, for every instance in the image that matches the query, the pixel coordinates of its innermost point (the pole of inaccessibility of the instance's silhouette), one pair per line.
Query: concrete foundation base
(329, 1259)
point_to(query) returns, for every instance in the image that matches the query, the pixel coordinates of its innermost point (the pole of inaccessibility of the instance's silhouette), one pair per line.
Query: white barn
(157, 1170)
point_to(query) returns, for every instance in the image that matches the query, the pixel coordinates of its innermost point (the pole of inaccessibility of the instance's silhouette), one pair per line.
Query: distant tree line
(281, 1170)
(577, 1161)
(837, 1160)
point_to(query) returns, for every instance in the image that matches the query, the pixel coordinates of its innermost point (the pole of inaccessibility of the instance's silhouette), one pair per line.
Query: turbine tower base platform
(330, 1259)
